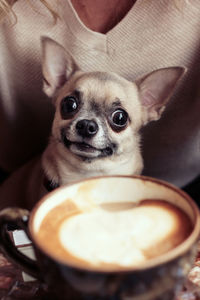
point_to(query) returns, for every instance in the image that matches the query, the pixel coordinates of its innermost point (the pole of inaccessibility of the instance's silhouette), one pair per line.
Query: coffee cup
(114, 237)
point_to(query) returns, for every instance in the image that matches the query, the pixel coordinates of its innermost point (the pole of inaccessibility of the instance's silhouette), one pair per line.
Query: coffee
(112, 236)
(109, 237)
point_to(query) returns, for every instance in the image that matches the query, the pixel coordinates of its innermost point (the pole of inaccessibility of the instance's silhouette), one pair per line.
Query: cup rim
(162, 259)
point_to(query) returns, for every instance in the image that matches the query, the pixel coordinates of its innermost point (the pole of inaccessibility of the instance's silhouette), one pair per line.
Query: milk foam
(120, 238)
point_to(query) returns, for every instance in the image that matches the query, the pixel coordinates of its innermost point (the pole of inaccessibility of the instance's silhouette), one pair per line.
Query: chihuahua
(96, 128)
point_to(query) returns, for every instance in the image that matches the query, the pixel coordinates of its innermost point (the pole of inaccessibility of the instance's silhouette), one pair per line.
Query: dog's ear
(57, 65)
(155, 90)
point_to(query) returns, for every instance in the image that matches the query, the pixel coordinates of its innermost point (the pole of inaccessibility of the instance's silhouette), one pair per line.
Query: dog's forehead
(102, 90)
(102, 85)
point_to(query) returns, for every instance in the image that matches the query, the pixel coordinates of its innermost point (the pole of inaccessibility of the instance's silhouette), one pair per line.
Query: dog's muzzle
(85, 150)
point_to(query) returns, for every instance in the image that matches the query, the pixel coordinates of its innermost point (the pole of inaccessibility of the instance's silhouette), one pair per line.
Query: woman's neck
(102, 15)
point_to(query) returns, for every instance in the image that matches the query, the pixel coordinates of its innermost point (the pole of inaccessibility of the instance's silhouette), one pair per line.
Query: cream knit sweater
(154, 34)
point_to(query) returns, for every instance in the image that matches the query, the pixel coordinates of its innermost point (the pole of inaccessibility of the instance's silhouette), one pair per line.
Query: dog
(96, 128)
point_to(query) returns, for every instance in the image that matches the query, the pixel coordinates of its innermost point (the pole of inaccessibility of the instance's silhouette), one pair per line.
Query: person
(128, 37)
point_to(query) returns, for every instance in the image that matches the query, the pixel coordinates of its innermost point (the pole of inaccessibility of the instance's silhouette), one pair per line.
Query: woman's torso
(152, 35)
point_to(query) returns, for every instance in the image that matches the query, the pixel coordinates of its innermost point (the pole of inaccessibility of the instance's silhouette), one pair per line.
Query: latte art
(113, 238)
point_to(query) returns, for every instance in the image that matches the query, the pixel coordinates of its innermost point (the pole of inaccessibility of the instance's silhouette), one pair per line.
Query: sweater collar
(96, 40)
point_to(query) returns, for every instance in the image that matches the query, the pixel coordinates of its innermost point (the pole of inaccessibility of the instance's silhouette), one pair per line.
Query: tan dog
(96, 127)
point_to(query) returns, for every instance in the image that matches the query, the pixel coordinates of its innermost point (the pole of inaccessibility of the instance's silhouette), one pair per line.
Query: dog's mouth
(85, 150)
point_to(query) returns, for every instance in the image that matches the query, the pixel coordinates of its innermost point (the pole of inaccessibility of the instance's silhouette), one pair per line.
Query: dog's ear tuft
(57, 65)
(155, 90)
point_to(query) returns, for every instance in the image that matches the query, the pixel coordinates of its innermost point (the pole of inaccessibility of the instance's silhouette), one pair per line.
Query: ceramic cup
(95, 201)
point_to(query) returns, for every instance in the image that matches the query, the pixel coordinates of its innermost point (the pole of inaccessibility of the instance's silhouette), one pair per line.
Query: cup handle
(16, 217)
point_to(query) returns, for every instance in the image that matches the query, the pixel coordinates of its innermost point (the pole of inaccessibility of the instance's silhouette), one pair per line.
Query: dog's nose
(86, 128)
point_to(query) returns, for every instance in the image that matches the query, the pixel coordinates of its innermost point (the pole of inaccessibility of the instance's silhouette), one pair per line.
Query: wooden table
(12, 285)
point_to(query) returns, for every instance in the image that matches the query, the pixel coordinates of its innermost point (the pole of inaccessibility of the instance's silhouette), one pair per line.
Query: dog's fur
(97, 146)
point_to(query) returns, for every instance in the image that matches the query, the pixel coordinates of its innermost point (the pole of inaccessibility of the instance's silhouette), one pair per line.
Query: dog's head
(99, 114)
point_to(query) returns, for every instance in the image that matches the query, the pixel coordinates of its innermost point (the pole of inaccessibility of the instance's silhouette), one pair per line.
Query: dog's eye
(68, 106)
(119, 119)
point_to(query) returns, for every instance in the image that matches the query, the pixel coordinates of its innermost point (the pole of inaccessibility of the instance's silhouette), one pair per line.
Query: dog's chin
(86, 151)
